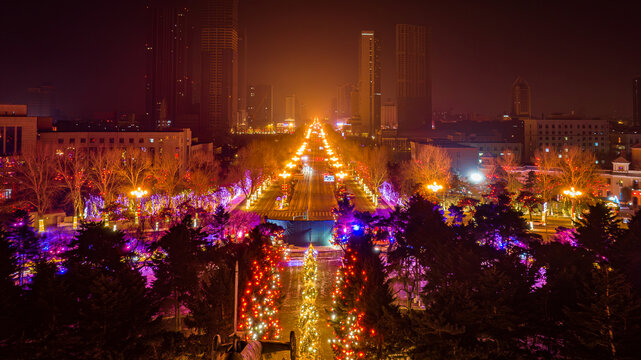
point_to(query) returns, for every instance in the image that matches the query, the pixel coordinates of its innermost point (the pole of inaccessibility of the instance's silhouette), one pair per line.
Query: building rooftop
(443, 143)
(620, 160)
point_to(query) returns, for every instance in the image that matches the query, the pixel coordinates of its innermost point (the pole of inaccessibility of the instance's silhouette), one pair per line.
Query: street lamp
(284, 175)
(573, 194)
(138, 194)
(434, 187)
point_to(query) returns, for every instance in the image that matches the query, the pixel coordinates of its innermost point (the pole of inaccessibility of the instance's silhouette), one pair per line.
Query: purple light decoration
(390, 196)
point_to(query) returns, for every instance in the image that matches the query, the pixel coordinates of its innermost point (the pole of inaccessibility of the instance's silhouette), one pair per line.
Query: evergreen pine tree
(177, 261)
(598, 230)
(9, 292)
(607, 322)
(25, 242)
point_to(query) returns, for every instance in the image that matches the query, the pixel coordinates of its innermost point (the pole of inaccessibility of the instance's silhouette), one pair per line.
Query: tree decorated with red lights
(259, 305)
(346, 315)
(363, 310)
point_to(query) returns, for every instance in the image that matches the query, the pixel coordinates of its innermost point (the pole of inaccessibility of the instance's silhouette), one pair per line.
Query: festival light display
(259, 305)
(346, 314)
(308, 316)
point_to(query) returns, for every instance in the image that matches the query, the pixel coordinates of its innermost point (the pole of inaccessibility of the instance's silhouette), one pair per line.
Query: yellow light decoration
(309, 343)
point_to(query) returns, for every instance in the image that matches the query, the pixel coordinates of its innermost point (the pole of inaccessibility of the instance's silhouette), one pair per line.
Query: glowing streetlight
(284, 175)
(573, 194)
(138, 194)
(434, 187)
(291, 165)
(341, 175)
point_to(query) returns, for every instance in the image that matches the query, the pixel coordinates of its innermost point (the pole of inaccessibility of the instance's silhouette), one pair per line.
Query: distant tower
(369, 84)
(344, 101)
(260, 106)
(167, 83)
(636, 102)
(521, 100)
(413, 78)
(219, 45)
(290, 108)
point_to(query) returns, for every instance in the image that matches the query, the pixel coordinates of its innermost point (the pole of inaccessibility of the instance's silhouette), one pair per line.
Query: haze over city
(576, 55)
(312, 180)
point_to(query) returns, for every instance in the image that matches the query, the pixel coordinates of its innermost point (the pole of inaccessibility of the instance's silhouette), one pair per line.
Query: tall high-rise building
(413, 78)
(260, 106)
(167, 80)
(290, 108)
(636, 102)
(219, 45)
(521, 99)
(389, 116)
(369, 84)
(40, 100)
(344, 101)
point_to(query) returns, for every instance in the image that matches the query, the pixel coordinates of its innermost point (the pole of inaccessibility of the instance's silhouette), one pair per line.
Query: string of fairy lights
(309, 343)
(259, 305)
(346, 316)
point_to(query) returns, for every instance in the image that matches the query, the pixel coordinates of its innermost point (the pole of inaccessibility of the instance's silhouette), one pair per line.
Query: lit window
(547, 150)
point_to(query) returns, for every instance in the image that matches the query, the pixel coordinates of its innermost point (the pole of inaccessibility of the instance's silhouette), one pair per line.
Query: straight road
(328, 262)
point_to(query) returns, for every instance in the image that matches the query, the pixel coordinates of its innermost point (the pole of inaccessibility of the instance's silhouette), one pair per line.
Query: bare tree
(103, 172)
(432, 164)
(547, 177)
(37, 179)
(579, 170)
(510, 163)
(73, 169)
(254, 163)
(166, 172)
(134, 167)
(376, 171)
(203, 173)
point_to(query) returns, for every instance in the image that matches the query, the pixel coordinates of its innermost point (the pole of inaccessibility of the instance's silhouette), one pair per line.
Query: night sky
(575, 55)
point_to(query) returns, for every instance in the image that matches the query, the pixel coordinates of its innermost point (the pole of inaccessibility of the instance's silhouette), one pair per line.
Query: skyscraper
(521, 99)
(369, 84)
(219, 45)
(167, 82)
(344, 101)
(260, 106)
(389, 117)
(413, 78)
(636, 102)
(290, 108)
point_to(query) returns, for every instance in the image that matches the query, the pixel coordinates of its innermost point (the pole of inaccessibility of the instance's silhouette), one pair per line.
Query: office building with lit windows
(558, 132)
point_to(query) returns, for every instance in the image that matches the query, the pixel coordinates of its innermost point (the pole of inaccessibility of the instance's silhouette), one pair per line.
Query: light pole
(138, 194)
(573, 194)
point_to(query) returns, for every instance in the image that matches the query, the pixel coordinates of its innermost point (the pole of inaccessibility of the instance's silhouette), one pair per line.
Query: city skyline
(475, 59)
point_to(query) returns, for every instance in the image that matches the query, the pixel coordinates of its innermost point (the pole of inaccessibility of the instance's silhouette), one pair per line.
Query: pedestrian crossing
(298, 215)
